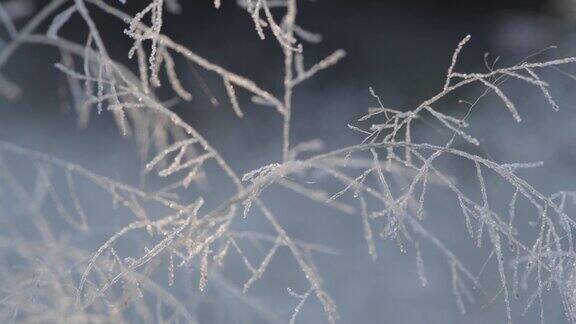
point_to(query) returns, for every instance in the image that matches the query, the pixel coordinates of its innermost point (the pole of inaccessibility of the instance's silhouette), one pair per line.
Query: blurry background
(400, 48)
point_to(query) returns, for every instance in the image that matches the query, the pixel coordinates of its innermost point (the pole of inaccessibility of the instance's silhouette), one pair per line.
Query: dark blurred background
(400, 48)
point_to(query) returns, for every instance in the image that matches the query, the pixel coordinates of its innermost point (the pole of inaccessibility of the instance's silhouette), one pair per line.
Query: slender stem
(289, 20)
(28, 28)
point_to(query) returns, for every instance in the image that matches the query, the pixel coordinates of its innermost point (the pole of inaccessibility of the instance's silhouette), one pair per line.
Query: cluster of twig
(388, 173)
